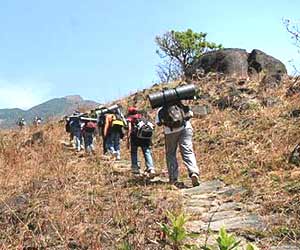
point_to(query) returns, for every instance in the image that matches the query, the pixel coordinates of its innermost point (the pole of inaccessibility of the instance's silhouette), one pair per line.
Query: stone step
(240, 222)
(204, 188)
(200, 203)
(195, 210)
(211, 216)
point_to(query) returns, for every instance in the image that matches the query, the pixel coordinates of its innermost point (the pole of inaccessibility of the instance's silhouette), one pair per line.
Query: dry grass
(52, 198)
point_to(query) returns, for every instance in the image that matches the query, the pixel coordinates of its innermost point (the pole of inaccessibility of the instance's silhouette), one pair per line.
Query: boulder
(236, 98)
(295, 156)
(231, 62)
(238, 64)
(294, 113)
(271, 69)
(36, 138)
(201, 110)
(269, 101)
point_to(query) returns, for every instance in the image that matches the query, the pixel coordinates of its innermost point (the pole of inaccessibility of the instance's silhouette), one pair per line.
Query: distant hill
(53, 108)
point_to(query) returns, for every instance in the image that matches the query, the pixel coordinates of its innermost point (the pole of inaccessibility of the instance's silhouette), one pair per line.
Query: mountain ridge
(50, 109)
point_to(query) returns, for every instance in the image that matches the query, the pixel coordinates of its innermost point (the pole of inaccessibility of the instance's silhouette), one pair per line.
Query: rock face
(231, 62)
(261, 62)
(239, 64)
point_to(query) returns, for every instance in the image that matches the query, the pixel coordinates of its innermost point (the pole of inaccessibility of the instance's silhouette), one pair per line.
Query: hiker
(178, 133)
(37, 121)
(113, 133)
(136, 139)
(21, 123)
(68, 128)
(89, 129)
(76, 127)
(101, 123)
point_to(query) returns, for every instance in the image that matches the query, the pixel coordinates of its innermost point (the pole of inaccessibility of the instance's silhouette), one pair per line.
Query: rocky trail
(214, 205)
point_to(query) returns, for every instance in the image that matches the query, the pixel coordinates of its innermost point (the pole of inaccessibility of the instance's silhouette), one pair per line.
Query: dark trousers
(104, 142)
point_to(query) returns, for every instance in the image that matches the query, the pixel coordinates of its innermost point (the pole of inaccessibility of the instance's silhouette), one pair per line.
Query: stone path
(213, 205)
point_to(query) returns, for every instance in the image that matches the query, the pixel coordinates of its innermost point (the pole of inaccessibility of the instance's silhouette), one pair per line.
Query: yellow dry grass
(52, 198)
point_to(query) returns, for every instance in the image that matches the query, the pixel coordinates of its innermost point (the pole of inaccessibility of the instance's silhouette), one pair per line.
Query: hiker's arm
(157, 119)
(187, 111)
(106, 126)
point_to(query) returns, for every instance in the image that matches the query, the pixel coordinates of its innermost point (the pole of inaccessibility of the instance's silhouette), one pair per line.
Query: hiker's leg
(171, 143)
(134, 158)
(109, 143)
(104, 143)
(81, 138)
(148, 158)
(89, 142)
(116, 138)
(93, 139)
(187, 151)
(77, 140)
(85, 141)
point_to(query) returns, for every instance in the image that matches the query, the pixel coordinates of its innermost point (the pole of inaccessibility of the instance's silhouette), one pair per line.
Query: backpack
(101, 121)
(90, 127)
(172, 116)
(67, 126)
(74, 122)
(117, 121)
(143, 129)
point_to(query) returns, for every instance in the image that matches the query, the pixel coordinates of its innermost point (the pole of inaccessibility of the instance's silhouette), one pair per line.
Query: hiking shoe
(117, 156)
(151, 173)
(195, 180)
(135, 172)
(179, 184)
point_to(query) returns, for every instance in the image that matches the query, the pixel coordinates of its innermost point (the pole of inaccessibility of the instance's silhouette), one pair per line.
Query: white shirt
(168, 130)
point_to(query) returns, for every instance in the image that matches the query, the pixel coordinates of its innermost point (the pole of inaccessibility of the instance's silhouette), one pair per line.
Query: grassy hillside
(55, 199)
(52, 198)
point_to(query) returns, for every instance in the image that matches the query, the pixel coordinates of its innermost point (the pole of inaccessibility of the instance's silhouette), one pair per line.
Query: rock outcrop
(231, 62)
(260, 61)
(269, 68)
(238, 63)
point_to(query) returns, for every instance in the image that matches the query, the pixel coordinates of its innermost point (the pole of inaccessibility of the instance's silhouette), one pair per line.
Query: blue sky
(105, 49)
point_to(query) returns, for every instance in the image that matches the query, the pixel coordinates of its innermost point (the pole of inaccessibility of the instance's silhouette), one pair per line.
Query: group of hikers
(112, 126)
(22, 122)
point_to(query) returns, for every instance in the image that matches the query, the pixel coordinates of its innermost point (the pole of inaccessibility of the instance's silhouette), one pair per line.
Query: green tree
(179, 50)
